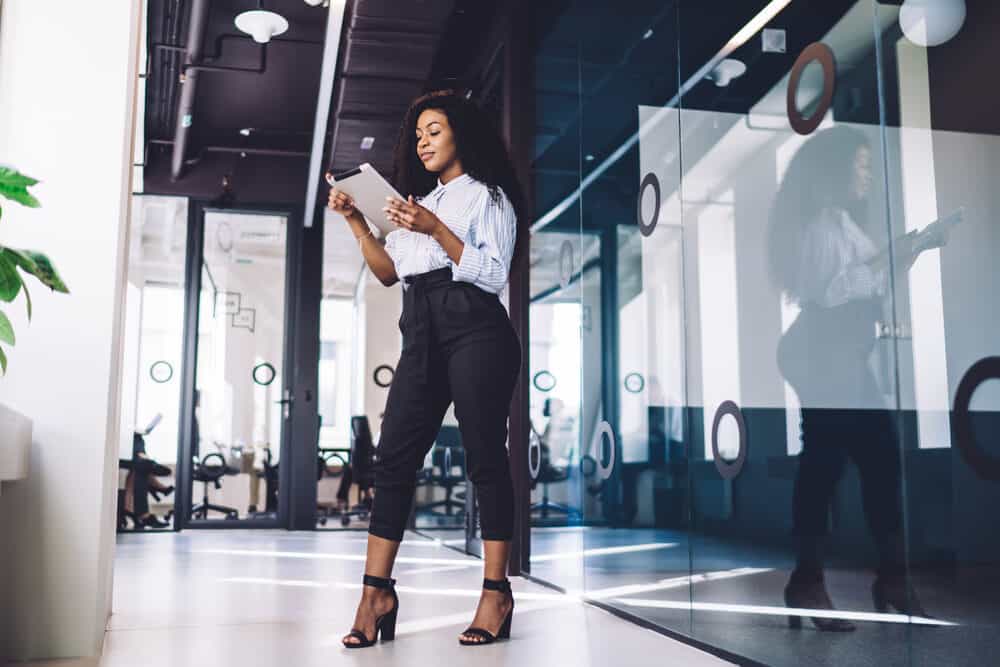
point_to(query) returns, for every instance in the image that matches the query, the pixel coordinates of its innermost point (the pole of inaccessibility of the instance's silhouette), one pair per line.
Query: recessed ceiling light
(773, 40)
(246, 131)
(726, 71)
(367, 143)
(648, 34)
(261, 24)
(589, 158)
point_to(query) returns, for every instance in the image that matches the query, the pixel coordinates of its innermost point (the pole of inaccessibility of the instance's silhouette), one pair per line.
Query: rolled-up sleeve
(486, 258)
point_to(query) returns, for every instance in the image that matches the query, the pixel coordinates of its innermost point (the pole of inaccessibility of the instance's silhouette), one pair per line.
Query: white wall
(66, 79)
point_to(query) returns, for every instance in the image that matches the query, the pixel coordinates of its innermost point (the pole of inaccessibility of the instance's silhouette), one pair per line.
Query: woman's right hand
(341, 202)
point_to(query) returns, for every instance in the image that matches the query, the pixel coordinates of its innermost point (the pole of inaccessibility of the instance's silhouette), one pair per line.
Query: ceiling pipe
(185, 107)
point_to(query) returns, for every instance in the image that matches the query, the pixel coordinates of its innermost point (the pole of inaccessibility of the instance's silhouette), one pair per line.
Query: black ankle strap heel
(487, 637)
(379, 582)
(385, 625)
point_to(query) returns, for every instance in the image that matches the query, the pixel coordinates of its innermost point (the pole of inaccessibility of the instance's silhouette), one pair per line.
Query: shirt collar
(461, 178)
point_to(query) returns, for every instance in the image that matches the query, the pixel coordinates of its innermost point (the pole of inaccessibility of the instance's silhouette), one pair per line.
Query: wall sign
(245, 318)
(821, 53)
(985, 466)
(226, 302)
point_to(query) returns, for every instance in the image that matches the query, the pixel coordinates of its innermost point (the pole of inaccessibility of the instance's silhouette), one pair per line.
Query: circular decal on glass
(383, 375)
(566, 262)
(544, 381)
(264, 374)
(729, 470)
(821, 53)
(985, 466)
(650, 181)
(634, 383)
(534, 454)
(161, 371)
(604, 430)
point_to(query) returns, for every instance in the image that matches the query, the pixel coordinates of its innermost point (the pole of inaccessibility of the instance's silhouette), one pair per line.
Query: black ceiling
(390, 53)
(595, 63)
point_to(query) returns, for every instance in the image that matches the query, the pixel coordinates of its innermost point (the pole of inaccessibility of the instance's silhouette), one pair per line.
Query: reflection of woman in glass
(824, 259)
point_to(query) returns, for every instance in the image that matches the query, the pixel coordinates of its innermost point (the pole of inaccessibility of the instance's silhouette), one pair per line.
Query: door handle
(286, 402)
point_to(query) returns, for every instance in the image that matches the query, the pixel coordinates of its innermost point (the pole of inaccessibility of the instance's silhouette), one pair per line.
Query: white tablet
(368, 189)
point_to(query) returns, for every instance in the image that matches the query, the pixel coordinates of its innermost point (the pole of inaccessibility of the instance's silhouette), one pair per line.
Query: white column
(67, 75)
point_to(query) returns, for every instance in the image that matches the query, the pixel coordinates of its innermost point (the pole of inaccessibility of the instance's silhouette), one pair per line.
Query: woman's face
(861, 183)
(435, 141)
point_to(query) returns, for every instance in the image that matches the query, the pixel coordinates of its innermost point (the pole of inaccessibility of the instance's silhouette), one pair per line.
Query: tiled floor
(273, 598)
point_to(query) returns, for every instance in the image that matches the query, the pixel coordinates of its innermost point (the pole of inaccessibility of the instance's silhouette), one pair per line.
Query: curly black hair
(480, 148)
(818, 177)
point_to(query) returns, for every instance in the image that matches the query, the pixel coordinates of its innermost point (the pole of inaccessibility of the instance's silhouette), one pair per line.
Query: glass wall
(782, 429)
(153, 341)
(239, 403)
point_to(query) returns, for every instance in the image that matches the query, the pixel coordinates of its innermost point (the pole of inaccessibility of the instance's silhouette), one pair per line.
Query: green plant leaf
(45, 272)
(21, 259)
(10, 279)
(13, 178)
(3, 362)
(14, 186)
(20, 195)
(6, 330)
(27, 298)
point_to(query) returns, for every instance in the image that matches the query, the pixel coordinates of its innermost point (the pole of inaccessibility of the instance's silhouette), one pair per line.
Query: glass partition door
(241, 403)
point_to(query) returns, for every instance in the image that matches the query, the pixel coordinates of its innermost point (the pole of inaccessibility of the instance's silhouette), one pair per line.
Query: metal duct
(189, 86)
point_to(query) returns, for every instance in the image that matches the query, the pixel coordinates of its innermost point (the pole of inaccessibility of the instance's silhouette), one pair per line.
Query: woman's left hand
(411, 215)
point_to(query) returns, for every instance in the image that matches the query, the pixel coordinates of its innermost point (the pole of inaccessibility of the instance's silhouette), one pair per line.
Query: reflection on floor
(731, 597)
(249, 598)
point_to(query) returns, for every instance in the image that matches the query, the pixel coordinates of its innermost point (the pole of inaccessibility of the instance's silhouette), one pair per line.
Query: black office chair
(446, 455)
(210, 473)
(335, 463)
(550, 474)
(359, 471)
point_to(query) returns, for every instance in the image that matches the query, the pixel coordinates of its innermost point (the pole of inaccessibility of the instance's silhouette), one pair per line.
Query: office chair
(359, 470)
(550, 474)
(335, 463)
(446, 455)
(206, 473)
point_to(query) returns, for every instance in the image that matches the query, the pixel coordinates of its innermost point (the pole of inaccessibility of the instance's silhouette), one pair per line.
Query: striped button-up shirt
(488, 229)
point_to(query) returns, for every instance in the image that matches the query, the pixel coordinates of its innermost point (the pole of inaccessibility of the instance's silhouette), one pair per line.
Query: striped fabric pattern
(487, 227)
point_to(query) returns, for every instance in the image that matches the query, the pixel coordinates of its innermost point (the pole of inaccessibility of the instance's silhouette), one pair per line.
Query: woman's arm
(376, 257)
(486, 263)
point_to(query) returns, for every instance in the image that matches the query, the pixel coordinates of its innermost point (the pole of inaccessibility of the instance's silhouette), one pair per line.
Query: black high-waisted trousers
(458, 345)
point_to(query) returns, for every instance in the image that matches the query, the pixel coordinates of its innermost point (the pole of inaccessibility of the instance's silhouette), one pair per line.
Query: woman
(824, 259)
(453, 252)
